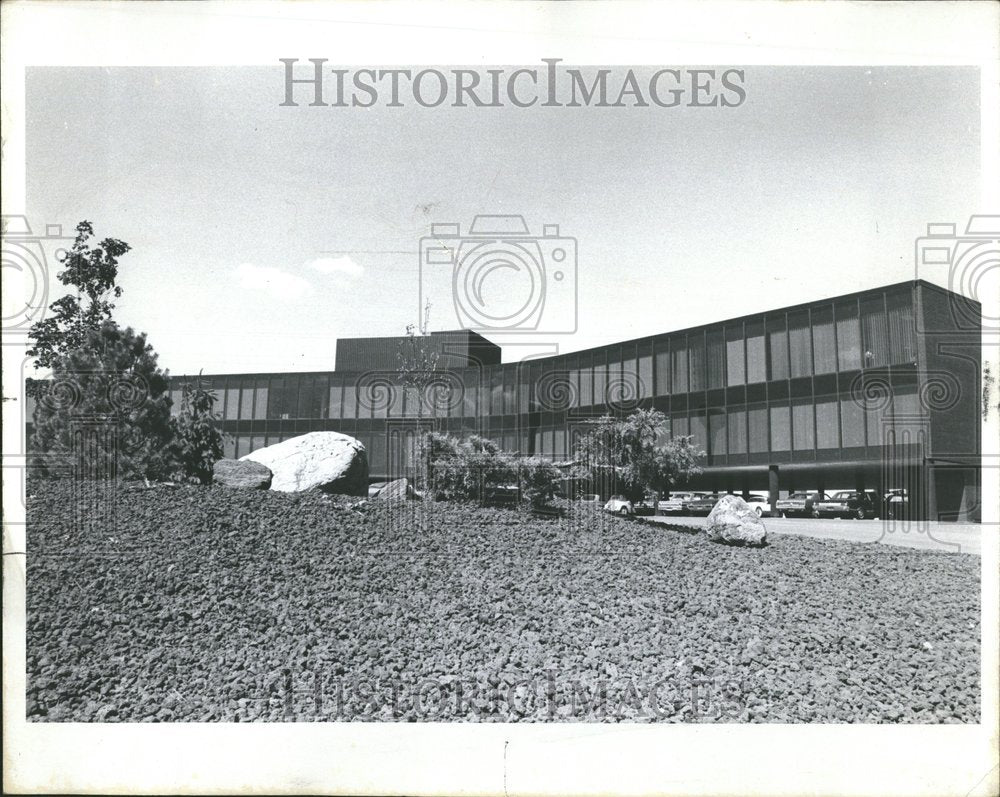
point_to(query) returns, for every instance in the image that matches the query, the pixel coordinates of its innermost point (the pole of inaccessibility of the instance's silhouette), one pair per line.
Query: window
(679, 424)
(737, 423)
(586, 387)
(600, 386)
(509, 392)
(645, 376)
(698, 430)
(803, 436)
(630, 373)
(229, 446)
(799, 345)
(780, 428)
(350, 404)
(679, 366)
(716, 359)
(717, 432)
(756, 353)
(336, 403)
(260, 403)
(778, 344)
(874, 333)
(874, 417)
(824, 343)
(496, 391)
(175, 401)
(848, 337)
(902, 346)
(757, 423)
(397, 402)
(662, 369)
(826, 424)
(852, 423)
(735, 370)
(232, 403)
(696, 361)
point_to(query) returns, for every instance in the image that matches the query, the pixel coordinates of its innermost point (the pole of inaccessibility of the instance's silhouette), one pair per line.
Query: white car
(675, 504)
(619, 505)
(759, 503)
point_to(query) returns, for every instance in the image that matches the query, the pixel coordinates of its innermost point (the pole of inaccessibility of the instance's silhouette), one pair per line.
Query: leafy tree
(93, 272)
(624, 453)
(106, 411)
(197, 440)
(418, 361)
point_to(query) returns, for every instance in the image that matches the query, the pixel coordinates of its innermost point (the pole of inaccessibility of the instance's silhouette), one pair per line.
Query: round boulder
(327, 461)
(244, 475)
(733, 522)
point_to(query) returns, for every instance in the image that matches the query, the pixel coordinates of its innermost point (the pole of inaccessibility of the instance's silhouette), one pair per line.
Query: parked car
(703, 504)
(619, 505)
(646, 506)
(676, 504)
(759, 503)
(800, 504)
(593, 499)
(896, 503)
(848, 503)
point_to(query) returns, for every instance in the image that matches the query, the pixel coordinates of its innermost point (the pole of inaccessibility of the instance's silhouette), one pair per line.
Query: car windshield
(842, 496)
(798, 496)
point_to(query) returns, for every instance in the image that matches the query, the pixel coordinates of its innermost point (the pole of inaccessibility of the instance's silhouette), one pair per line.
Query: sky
(260, 234)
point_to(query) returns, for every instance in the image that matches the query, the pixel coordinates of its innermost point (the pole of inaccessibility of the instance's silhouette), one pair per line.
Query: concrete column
(773, 484)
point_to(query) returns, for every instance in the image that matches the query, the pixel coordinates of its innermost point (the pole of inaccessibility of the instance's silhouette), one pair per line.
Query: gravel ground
(204, 604)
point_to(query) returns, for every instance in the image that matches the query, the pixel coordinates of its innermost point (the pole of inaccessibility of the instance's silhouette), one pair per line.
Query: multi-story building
(878, 389)
(871, 390)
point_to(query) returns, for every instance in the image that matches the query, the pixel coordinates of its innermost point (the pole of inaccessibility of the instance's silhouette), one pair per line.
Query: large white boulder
(327, 461)
(733, 522)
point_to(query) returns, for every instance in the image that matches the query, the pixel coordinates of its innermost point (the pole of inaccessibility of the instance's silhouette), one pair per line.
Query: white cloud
(337, 265)
(272, 280)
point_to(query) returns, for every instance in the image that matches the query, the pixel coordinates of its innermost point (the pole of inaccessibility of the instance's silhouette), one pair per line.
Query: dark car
(703, 504)
(800, 504)
(848, 503)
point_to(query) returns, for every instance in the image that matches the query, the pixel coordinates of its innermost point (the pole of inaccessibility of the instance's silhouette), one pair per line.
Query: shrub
(477, 469)
(197, 441)
(106, 412)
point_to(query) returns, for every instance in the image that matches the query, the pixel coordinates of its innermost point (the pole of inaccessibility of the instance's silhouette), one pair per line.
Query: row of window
(828, 423)
(871, 332)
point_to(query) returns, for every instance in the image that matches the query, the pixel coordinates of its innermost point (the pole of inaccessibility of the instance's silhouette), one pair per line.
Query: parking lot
(926, 535)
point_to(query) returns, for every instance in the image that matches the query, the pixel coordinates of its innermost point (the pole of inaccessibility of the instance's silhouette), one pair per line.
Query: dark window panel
(696, 360)
(852, 423)
(827, 435)
(645, 376)
(799, 345)
(679, 365)
(824, 341)
(780, 428)
(699, 431)
(662, 368)
(756, 353)
(778, 349)
(757, 429)
(737, 427)
(803, 427)
(336, 401)
(717, 433)
(874, 332)
(848, 337)
(735, 357)
(716, 359)
(902, 339)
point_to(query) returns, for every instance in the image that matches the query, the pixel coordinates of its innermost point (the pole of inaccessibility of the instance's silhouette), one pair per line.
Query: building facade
(871, 390)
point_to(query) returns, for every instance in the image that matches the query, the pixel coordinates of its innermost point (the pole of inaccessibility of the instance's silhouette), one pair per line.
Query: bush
(197, 443)
(477, 469)
(106, 412)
